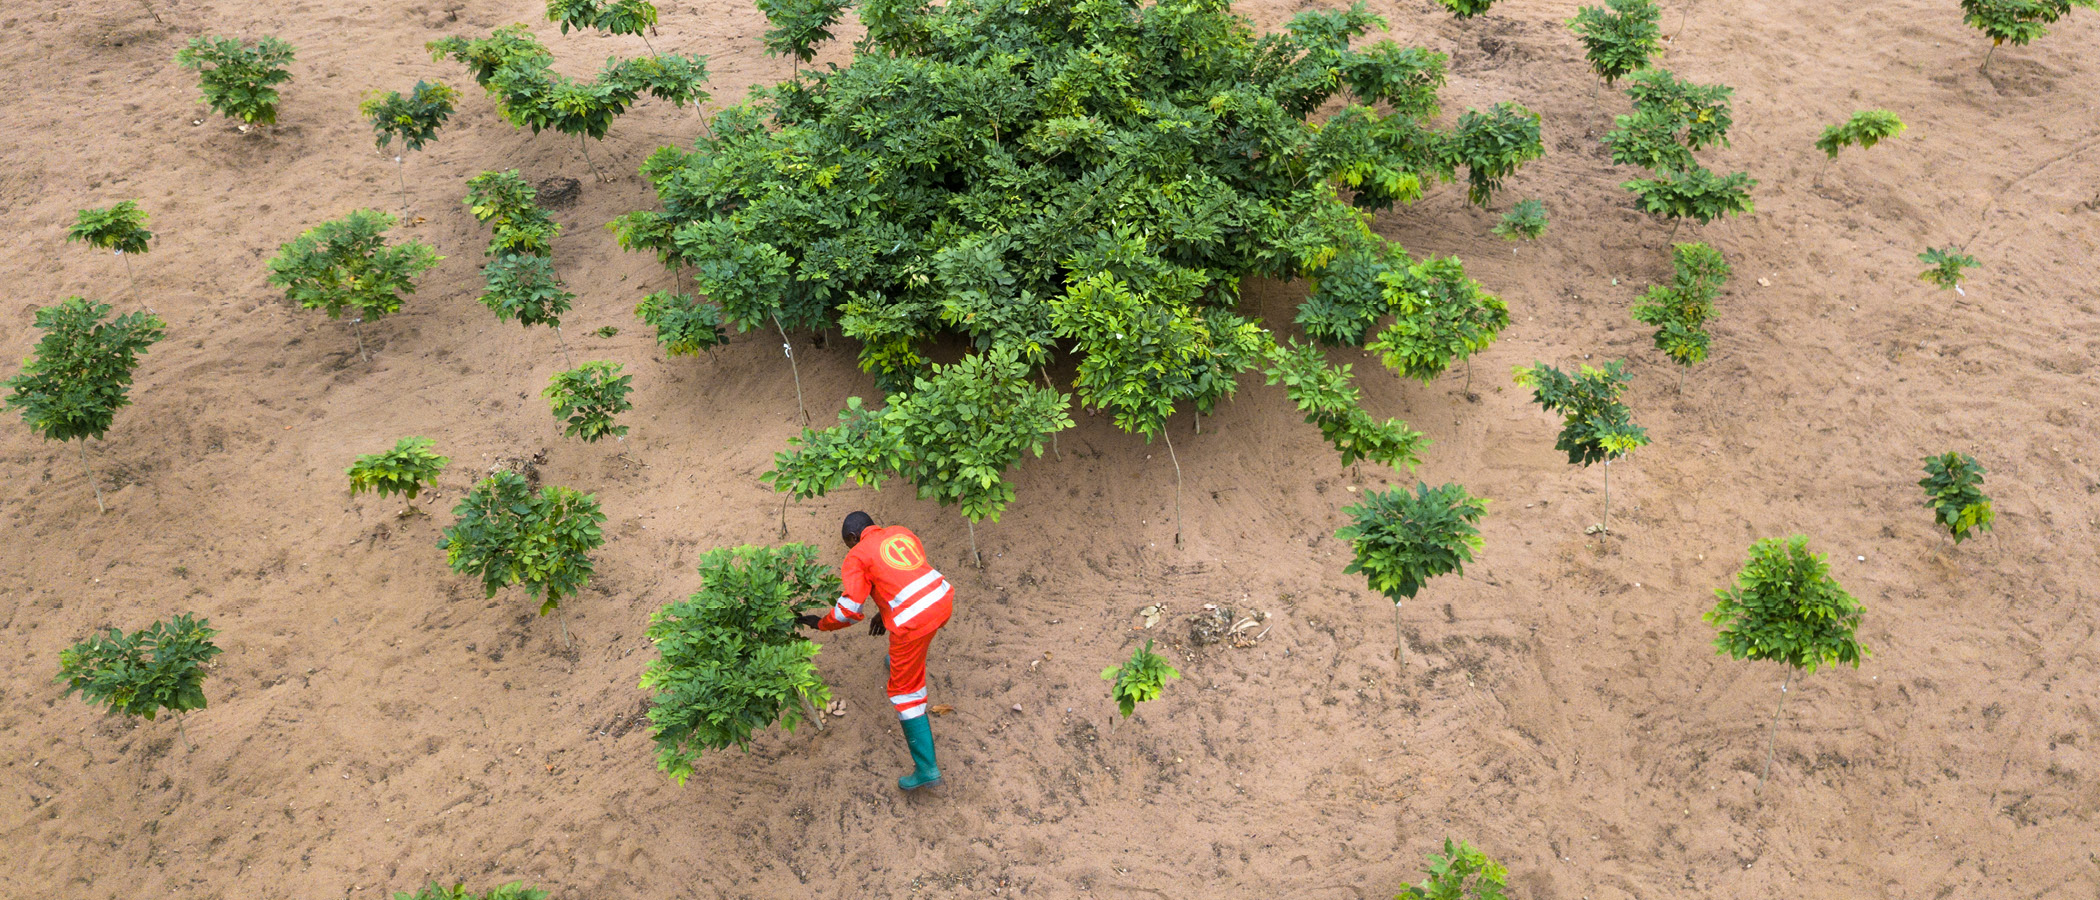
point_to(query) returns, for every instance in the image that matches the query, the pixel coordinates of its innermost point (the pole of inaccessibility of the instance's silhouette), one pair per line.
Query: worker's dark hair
(856, 522)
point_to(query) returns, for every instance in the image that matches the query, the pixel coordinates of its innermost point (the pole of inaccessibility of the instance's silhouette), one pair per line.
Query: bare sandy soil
(375, 722)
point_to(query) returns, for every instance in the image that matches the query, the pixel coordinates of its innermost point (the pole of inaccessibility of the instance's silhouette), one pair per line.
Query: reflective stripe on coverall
(889, 566)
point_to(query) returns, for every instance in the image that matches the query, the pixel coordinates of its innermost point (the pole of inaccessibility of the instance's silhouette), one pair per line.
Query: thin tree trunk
(979, 557)
(1468, 389)
(1177, 484)
(645, 42)
(1399, 639)
(563, 613)
(183, 733)
(148, 4)
(357, 328)
(784, 515)
(584, 142)
(1772, 732)
(788, 348)
(401, 168)
(1674, 225)
(133, 274)
(97, 485)
(809, 711)
(1986, 67)
(1607, 498)
(563, 343)
(1683, 15)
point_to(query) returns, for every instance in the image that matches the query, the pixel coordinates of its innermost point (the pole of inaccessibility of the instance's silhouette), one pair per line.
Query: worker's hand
(875, 628)
(807, 621)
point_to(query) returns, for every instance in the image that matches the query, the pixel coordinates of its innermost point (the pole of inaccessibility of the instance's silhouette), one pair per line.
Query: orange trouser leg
(907, 685)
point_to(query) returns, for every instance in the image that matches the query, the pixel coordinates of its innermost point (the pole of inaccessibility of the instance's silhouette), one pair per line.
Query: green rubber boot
(918, 735)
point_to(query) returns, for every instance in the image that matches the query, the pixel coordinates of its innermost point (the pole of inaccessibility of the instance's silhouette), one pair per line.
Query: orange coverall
(889, 566)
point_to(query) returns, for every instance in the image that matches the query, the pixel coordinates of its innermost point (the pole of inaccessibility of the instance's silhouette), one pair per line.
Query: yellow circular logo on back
(901, 552)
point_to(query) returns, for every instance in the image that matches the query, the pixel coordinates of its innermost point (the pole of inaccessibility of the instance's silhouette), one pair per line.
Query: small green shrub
(1595, 426)
(346, 265)
(1947, 264)
(1524, 221)
(510, 207)
(1670, 120)
(799, 26)
(78, 377)
(1492, 145)
(406, 470)
(414, 119)
(1696, 194)
(1440, 316)
(610, 16)
(1865, 129)
(1680, 309)
(160, 667)
(2018, 21)
(1953, 491)
(1466, 9)
(239, 81)
(1462, 872)
(685, 325)
(1138, 680)
(515, 890)
(120, 228)
(1402, 540)
(524, 287)
(1619, 38)
(1328, 396)
(588, 397)
(484, 57)
(730, 659)
(506, 534)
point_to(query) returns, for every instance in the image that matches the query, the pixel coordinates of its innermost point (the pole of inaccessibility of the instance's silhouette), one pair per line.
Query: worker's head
(856, 522)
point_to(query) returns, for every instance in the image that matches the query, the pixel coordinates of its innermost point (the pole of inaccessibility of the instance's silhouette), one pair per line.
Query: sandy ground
(375, 722)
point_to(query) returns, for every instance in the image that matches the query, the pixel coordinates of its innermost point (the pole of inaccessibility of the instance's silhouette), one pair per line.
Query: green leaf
(1786, 607)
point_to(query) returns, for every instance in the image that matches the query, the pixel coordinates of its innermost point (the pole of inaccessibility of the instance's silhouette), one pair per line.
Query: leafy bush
(2018, 21)
(1619, 38)
(484, 57)
(588, 397)
(78, 377)
(1671, 119)
(524, 288)
(610, 16)
(1493, 144)
(1096, 217)
(1440, 316)
(1462, 872)
(1680, 309)
(1139, 680)
(1524, 221)
(1329, 400)
(414, 119)
(1402, 540)
(1947, 264)
(508, 535)
(730, 658)
(685, 325)
(239, 81)
(1865, 129)
(406, 470)
(515, 890)
(1594, 426)
(1466, 9)
(1953, 492)
(347, 265)
(1697, 194)
(160, 667)
(510, 208)
(800, 25)
(120, 228)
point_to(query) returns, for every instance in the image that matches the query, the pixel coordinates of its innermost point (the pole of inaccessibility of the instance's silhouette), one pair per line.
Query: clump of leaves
(1595, 426)
(1461, 872)
(79, 375)
(2018, 21)
(1466, 9)
(1670, 120)
(799, 26)
(1866, 128)
(685, 325)
(1329, 398)
(524, 287)
(484, 57)
(731, 660)
(610, 16)
(406, 470)
(1524, 221)
(1697, 194)
(1953, 491)
(1947, 264)
(588, 397)
(414, 119)
(120, 229)
(160, 667)
(1679, 310)
(239, 81)
(1138, 680)
(530, 94)
(1402, 540)
(1618, 38)
(510, 208)
(515, 890)
(1786, 607)
(506, 534)
(347, 265)
(1439, 317)
(1493, 144)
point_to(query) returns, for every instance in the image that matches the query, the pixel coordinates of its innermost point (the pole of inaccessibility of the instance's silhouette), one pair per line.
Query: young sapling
(1953, 491)
(510, 208)
(1679, 310)
(633, 17)
(2018, 21)
(506, 534)
(1696, 194)
(1138, 680)
(515, 890)
(1618, 38)
(160, 667)
(1595, 426)
(524, 287)
(1461, 872)
(588, 397)
(414, 120)
(684, 325)
(1866, 128)
(1402, 540)
(239, 81)
(78, 377)
(1525, 221)
(405, 470)
(347, 266)
(1786, 607)
(120, 229)
(1466, 9)
(1947, 264)
(1492, 145)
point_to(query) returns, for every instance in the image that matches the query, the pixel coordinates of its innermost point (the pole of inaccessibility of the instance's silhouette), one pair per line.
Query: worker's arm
(853, 575)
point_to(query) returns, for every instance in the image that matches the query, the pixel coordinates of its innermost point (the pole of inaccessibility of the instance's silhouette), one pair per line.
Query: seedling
(1697, 194)
(1466, 9)
(1947, 265)
(531, 95)
(515, 890)
(634, 17)
(1953, 491)
(2018, 21)
(239, 81)
(1525, 221)
(1493, 144)
(346, 265)
(1680, 309)
(1595, 426)
(406, 470)
(730, 659)
(1865, 129)
(799, 26)
(1786, 607)
(588, 397)
(510, 208)
(1619, 38)
(506, 534)
(1460, 873)
(525, 288)
(1402, 540)
(160, 667)
(1440, 316)
(80, 374)
(414, 120)
(1671, 119)
(684, 325)
(1138, 680)
(120, 229)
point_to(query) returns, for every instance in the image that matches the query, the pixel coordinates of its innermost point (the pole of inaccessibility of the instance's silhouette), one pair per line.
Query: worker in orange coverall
(888, 565)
